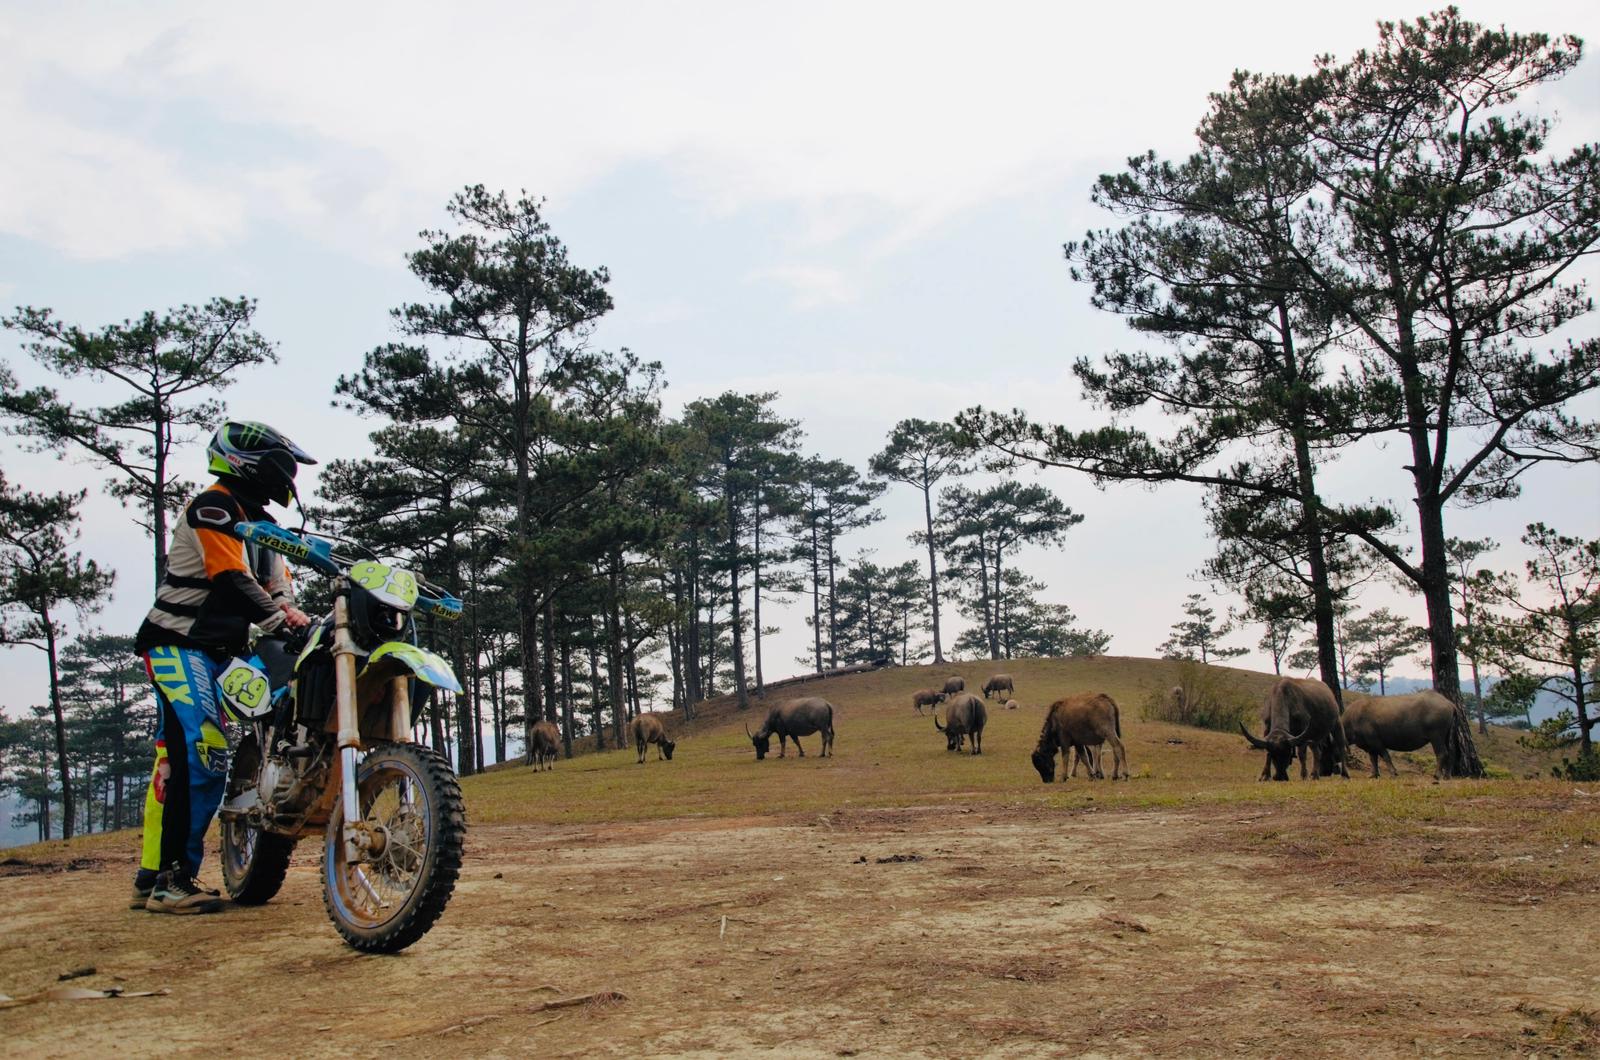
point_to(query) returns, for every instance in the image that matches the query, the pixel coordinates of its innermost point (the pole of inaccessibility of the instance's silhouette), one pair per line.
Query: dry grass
(887, 755)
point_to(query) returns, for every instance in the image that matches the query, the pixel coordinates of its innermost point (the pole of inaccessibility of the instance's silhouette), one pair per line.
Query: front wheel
(253, 862)
(413, 827)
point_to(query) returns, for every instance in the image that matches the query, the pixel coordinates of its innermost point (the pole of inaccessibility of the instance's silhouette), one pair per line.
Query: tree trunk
(436, 724)
(548, 661)
(631, 668)
(161, 444)
(816, 593)
(465, 744)
(833, 600)
(985, 598)
(1311, 512)
(119, 749)
(502, 707)
(867, 601)
(477, 729)
(619, 704)
(596, 706)
(1585, 741)
(566, 693)
(60, 725)
(737, 628)
(680, 690)
(1464, 761)
(1472, 661)
(755, 585)
(43, 767)
(691, 669)
(933, 571)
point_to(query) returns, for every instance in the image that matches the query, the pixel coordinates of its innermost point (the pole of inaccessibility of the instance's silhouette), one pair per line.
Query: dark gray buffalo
(998, 682)
(965, 715)
(1299, 713)
(1380, 724)
(792, 720)
(952, 685)
(1083, 722)
(544, 743)
(925, 697)
(647, 729)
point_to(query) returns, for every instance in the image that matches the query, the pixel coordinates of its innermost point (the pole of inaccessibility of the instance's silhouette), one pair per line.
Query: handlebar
(318, 554)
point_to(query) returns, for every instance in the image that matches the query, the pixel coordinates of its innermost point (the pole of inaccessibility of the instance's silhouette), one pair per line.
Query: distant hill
(13, 835)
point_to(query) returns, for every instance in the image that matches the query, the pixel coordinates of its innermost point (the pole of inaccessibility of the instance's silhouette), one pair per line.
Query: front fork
(344, 684)
(358, 842)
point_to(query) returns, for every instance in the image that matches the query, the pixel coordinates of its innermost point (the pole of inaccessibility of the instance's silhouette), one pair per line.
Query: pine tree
(166, 364)
(40, 578)
(922, 454)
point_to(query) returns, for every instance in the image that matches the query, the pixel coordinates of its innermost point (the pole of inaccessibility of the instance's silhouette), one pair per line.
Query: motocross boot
(177, 892)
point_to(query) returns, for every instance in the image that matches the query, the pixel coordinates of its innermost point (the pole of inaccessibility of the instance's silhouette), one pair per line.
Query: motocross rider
(216, 586)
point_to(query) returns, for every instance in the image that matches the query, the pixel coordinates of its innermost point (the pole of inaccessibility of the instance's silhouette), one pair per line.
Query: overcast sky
(859, 206)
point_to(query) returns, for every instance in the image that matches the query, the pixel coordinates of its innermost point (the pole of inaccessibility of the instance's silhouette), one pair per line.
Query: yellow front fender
(397, 657)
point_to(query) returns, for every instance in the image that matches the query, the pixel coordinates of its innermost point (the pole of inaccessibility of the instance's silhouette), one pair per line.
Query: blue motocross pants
(191, 767)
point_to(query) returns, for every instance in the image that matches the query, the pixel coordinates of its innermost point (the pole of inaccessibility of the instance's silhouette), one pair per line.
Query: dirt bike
(327, 747)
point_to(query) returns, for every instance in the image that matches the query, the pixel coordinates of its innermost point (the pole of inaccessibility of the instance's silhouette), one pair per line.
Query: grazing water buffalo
(1380, 724)
(925, 697)
(647, 729)
(544, 742)
(1299, 713)
(965, 715)
(792, 720)
(1082, 722)
(952, 685)
(996, 683)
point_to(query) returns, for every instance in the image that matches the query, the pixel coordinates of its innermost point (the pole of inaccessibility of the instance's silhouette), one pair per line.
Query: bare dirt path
(963, 931)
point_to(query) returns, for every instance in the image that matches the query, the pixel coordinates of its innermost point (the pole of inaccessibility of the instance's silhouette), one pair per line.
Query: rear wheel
(253, 862)
(413, 825)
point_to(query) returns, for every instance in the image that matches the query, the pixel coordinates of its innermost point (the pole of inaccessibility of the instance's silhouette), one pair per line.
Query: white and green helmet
(258, 455)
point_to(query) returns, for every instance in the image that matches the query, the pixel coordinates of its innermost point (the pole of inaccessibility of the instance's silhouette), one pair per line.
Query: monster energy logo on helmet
(258, 455)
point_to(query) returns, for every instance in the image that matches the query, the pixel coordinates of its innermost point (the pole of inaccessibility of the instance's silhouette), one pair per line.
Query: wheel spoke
(366, 885)
(387, 899)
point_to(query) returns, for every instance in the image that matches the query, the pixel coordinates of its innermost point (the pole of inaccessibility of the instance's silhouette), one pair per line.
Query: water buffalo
(1084, 722)
(1380, 724)
(1299, 713)
(792, 720)
(647, 729)
(952, 685)
(544, 742)
(966, 716)
(925, 697)
(996, 683)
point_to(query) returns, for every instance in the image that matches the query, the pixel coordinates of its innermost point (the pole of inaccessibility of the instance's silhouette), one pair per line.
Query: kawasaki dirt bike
(327, 747)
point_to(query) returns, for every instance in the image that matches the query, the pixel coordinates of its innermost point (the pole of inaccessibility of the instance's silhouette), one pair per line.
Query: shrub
(1584, 767)
(1204, 696)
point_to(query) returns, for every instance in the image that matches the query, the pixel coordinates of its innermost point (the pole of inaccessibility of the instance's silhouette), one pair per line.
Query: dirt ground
(947, 932)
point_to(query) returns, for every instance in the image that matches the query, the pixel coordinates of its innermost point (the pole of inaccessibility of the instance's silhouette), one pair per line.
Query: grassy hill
(886, 755)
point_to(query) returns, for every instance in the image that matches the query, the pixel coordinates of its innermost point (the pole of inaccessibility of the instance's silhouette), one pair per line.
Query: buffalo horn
(936, 724)
(1253, 741)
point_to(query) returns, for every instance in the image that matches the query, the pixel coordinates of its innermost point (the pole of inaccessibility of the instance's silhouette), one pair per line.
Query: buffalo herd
(1300, 719)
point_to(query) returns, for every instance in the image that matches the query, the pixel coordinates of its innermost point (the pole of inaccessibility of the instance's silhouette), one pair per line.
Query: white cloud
(811, 286)
(893, 114)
